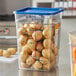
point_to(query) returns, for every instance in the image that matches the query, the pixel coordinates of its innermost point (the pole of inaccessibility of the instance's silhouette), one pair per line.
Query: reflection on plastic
(53, 72)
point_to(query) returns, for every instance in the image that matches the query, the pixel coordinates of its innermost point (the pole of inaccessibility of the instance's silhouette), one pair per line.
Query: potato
(26, 49)
(12, 50)
(24, 65)
(47, 43)
(30, 60)
(37, 35)
(31, 44)
(1, 52)
(26, 25)
(46, 66)
(22, 31)
(46, 53)
(52, 46)
(53, 63)
(37, 65)
(39, 46)
(47, 32)
(44, 60)
(23, 56)
(52, 56)
(30, 30)
(56, 51)
(31, 47)
(30, 37)
(49, 65)
(36, 54)
(6, 54)
(22, 40)
(35, 25)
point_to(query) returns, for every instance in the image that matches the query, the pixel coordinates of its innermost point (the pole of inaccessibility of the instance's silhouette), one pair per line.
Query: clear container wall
(38, 38)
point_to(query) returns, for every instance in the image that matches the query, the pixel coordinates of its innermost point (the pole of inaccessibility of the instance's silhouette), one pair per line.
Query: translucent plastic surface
(38, 38)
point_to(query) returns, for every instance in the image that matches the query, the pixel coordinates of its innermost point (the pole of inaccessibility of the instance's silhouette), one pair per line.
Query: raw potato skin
(56, 51)
(49, 65)
(44, 60)
(46, 53)
(30, 37)
(37, 65)
(30, 31)
(31, 44)
(12, 51)
(6, 54)
(23, 56)
(36, 54)
(52, 46)
(52, 56)
(36, 26)
(22, 31)
(53, 63)
(26, 25)
(26, 49)
(31, 47)
(47, 43)
(46, 66)
(1, 52)
(22, 40)
(30, 60)
(47, 32)
(39, 46)
(37, 35)
(24, 65)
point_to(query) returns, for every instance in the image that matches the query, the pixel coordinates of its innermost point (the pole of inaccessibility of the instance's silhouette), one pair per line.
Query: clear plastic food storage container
(72, 40)
(38, 37)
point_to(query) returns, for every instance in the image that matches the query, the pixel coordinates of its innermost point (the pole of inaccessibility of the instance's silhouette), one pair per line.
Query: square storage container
(38, 37)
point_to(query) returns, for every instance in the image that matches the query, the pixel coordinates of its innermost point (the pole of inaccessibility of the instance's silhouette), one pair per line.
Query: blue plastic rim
(39, 11)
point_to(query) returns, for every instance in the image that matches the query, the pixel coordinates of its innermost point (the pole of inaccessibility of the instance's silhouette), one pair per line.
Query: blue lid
(39, 11)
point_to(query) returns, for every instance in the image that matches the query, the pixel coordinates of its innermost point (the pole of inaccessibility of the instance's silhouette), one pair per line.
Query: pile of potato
(7, 53)
(36, 46)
